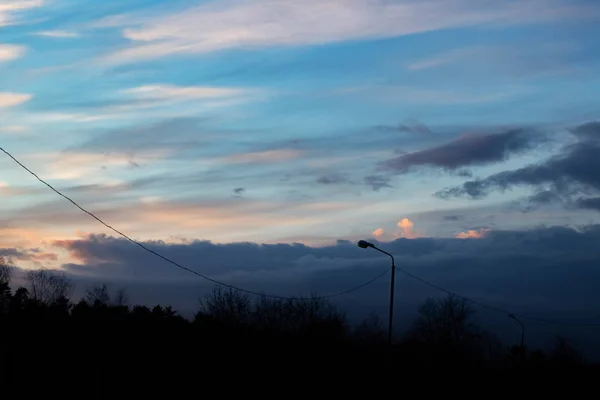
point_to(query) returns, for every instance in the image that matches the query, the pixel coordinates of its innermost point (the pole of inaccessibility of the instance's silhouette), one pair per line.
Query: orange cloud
(472, 234)
(378, 232)
(407, 229)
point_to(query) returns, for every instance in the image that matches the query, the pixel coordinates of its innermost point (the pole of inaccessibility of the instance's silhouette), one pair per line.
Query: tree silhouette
(6, 269)
(446, 322)
(109, 341)
(47, 287)
(97, 295)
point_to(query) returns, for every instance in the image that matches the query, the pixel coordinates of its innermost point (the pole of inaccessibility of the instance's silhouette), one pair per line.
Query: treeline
(105, 339)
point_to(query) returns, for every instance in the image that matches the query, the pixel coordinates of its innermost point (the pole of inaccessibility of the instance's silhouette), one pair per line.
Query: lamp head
(363, 244)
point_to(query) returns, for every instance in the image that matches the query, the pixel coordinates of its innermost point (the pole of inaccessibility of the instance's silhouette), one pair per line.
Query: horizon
(256, 142)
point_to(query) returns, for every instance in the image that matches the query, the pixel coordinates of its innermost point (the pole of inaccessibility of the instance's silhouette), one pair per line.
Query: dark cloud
(37, 256)
(545, 272)
(411, 127)
(570, 178)
(332, 179)
(11, 252)
(539, 260)
(453, 217)
(467, 151)
(377, 182)
(239, 190)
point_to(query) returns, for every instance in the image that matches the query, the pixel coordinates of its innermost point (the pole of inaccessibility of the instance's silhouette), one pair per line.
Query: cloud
(72, 165)
(467, 150)
(242, 24)
(10, 9)
(448, 57)
(569, 177)
(170, 134)
(473, 234)
(332, 179)
(9, 52)
(33, 256)
(57, 34)
(523, 60)
(378, 233)
(453, 217)
(407, 229)
(8, 99)
(413, 95)
(261, 157)
(13, 129)
(414, 127)
(377, 182)
(238, 192)
(545, 272)
(184, 92)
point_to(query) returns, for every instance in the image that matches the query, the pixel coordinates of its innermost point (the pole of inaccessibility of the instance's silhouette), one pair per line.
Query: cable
(487, 306)
(179, 265)
(496, 309)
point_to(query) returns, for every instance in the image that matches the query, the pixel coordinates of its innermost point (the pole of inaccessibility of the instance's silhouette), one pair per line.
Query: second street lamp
(363, 244)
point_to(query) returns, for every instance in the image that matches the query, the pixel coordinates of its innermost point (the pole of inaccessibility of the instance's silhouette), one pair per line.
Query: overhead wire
(256, 293)
(178, 265)
(494, 308)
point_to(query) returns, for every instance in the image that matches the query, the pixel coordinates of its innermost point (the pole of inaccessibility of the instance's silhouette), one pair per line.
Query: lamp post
(363, 244)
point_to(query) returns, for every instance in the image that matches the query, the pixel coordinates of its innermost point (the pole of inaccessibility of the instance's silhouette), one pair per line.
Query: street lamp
(363, 244)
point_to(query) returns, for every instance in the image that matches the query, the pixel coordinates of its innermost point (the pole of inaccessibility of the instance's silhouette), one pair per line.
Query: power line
(176, 263)
(493, 308)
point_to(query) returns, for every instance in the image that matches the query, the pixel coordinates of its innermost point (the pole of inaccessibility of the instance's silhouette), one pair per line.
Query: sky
(256, 141)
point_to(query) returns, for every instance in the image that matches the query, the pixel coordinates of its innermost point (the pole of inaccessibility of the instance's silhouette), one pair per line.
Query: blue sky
(273, 121)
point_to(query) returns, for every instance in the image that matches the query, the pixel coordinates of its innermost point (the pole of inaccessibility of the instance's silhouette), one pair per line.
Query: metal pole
(392, 281)
(391, 321)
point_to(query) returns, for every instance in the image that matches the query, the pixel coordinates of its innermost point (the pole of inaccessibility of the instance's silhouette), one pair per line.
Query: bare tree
(48, 287)
(445, 321)
(97, 295)
(297, 315)
(121, 298)
(6, 269)
(230, 306)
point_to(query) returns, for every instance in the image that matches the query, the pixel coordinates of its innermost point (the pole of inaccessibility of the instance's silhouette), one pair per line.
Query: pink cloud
(378, 233)
(472, 234)
(407, 229)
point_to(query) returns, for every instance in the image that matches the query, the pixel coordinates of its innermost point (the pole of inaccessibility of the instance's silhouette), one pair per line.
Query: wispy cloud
(8, 99)
(57, 34)
(171, 92)
(409, 94)
(9, 9)
(75, 165)
(13, 129)
(234, 24)
(9, 52)
(448, 57)
(267, 156)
